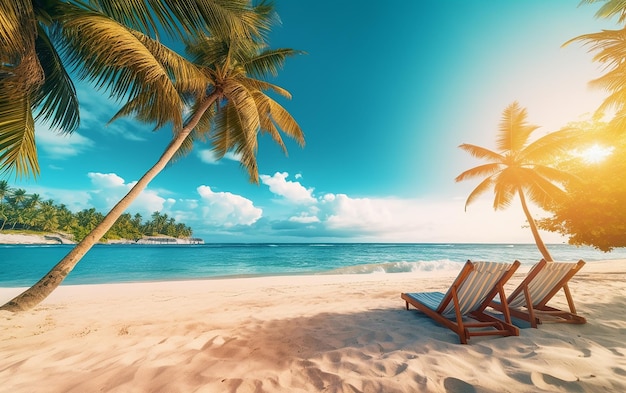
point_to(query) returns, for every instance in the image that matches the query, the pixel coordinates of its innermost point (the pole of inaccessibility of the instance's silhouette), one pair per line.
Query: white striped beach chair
(529, 300)
(471, 292)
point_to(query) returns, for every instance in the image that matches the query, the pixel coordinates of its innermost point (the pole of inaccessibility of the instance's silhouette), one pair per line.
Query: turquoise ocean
(23, 265)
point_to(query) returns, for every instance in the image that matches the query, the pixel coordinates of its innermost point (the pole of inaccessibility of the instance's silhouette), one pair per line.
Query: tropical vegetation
(592, 212)
(115, 45)
(520, 167)
(22, 211)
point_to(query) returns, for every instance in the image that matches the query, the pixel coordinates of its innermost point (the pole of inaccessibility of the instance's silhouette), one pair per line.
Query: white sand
(302, 334)
(22, 238)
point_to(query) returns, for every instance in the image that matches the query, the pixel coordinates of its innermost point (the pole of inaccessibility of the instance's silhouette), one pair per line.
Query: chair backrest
(544, 280)
(474, 288)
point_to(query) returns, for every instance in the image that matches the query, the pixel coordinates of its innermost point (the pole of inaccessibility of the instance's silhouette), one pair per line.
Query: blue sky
(384, 95)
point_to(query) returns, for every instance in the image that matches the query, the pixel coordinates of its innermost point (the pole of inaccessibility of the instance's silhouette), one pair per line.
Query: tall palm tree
(231, 109)
(36, 85)
(519, 167)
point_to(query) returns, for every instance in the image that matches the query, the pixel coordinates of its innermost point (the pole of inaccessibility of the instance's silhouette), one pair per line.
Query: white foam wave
(439, 266)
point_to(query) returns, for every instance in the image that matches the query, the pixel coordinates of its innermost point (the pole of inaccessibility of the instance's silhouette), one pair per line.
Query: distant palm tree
(231, 109)
(5, 191)
(520, 167)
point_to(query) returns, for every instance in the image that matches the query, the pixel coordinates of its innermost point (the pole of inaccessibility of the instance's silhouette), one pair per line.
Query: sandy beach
(22, 238)
(341, 333)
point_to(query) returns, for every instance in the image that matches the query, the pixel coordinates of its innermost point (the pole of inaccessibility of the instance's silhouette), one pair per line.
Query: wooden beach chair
(471, 292)
(529, 300)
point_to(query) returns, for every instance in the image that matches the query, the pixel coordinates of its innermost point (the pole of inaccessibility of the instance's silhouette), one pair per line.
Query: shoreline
(31, 238)
(321, 333)
(55, 238)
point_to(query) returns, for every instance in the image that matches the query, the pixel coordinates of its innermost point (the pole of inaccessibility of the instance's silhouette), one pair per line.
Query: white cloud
(105, 180)
(60, 146)
(293, 192)
(208, 156)
(415, 220)
(226, 209)
(111, 188)
(304, 218)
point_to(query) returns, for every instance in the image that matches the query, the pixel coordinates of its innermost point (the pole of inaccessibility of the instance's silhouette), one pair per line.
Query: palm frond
(262, 86)
(514, 131)
(482, 153)
(609, 9)
(221, 138)
(56, 101)
(483, 187)
(206, 120)
(186, 76)
(231, 135)
(555, 175)
(504, 190)
(267, 125)
(18, 152)
(268, 62)
(116, 59)
(18, 29)
(547, 147)
(185, 148)
(285, 121)
(246, 110)
(539, 189)
(206, 50)
(181, 18)
(479, 171)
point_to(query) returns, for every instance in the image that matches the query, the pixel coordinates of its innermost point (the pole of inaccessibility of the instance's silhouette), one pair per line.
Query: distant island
(28, 219)
(16, 237)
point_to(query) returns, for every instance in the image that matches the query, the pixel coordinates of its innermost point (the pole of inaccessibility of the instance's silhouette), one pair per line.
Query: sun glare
(595, 153)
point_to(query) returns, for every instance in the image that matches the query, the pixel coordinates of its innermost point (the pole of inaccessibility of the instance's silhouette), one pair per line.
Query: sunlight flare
(594, 154)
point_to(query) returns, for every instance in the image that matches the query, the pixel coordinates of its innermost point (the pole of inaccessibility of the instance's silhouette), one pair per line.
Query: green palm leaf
(18, 152)
(57, 101)
(124, 66)
(181, 18)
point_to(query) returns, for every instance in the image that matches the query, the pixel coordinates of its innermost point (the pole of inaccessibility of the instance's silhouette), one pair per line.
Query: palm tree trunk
(533, 227)
(44, 287)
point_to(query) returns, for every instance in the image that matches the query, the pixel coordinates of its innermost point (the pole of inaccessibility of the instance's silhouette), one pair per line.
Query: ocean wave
(444, 265)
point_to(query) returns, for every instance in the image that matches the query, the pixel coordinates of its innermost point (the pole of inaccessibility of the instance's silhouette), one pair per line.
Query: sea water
(23, 265)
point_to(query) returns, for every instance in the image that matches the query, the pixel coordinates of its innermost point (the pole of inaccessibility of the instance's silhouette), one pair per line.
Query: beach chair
(529, 300)
(471, 292)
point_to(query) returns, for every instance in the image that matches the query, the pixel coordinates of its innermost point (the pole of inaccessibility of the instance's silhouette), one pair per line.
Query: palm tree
(610, 48)
(231, 108)
(38, 37)
(519, 167)
(5, 191)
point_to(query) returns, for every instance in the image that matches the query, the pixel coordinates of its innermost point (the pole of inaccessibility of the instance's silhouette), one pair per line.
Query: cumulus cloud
(224, 208)
(110, 188)
(293, 192)
(105, 180)
(408, 220)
